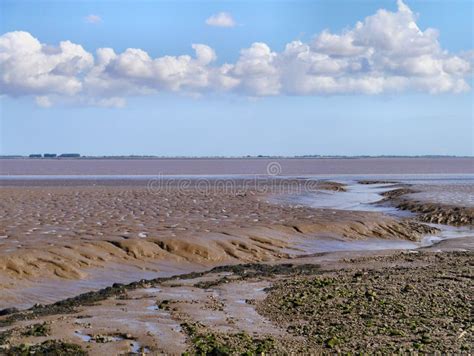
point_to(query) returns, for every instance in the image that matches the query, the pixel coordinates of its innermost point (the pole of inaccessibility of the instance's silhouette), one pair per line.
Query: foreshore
(388, 301)
(53, 235)
(85, 231)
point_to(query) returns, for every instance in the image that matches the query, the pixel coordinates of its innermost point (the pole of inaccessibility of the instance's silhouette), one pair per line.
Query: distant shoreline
(133, 157)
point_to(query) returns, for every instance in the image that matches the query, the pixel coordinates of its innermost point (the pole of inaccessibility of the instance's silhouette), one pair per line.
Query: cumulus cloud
(222, 19)
(257, 70)
(384, 53)
(29, 67)
(93, 19)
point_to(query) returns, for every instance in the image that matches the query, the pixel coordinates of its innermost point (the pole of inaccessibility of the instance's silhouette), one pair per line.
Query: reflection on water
(84, 337)
(332, 245)
(447, 232)
(50, 291)
(135, 346)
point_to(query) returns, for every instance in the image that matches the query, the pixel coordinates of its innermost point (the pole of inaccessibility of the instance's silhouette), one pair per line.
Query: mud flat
(99, 235)
(227, 269)
(431, 204)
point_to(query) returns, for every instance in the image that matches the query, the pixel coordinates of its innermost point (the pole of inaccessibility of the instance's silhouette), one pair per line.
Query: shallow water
(332, 245)
(364, 197)
(287, 166)
(455, 189)
(135, 346)
(50, 291)
(358, 197)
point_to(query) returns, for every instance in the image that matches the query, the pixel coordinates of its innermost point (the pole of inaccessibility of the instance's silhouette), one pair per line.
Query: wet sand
(53, 235)
(59, 241)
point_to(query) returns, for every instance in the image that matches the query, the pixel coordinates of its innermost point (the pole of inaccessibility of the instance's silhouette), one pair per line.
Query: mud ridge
(430, 212)
(239, 245)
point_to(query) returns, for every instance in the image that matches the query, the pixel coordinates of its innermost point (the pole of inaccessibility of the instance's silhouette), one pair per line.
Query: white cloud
(337, 45)
(94, 19)
(257, 71)
(204, 54)
(28, 67)
(222, 19)
(385, 53)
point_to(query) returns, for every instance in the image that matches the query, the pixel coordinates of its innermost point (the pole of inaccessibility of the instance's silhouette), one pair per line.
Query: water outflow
(364, 197)
(357, 197)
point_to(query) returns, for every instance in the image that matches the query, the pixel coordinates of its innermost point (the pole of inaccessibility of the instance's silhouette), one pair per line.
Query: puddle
(152, 290)
(135, 346)
(99, 338)
(84, 337)
(244, 315)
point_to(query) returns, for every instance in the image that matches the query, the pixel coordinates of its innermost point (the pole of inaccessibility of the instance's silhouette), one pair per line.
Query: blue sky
(261, 105)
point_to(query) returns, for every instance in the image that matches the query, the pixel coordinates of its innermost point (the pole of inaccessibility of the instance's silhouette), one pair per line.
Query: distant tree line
(54, 155)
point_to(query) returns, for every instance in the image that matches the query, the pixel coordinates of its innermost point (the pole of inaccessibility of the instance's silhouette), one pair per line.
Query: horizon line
(309, 156)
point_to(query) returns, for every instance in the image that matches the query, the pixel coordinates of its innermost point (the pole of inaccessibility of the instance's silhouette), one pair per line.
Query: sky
(233, 78)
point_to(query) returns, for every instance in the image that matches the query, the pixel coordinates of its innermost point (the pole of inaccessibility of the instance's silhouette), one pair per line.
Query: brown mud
(76, 233)
(406, 301)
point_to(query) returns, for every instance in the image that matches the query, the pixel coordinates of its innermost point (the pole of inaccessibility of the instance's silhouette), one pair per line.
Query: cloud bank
(385, 53)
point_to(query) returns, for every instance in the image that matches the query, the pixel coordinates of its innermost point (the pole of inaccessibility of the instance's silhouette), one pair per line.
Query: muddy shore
(406, 302)
(266, 295)
(428, 211)
(107, 234)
